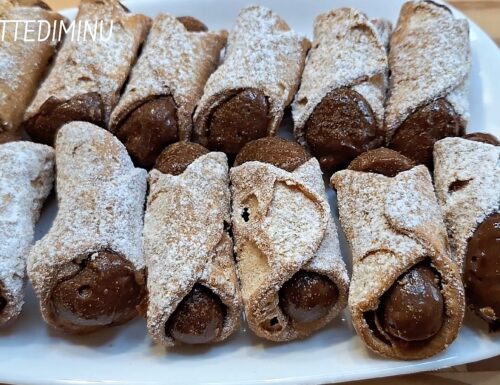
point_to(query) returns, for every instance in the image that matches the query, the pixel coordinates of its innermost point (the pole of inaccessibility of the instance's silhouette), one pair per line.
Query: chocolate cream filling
(482, 270)
(241, 118)
(104, 291)
(55, 113)
(341, 127)
(416, 136)
(199, 317)
(148, 129)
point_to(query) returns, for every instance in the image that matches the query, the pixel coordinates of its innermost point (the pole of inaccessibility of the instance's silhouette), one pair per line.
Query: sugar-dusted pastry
(166, 83)
(430, 61)
(406, 297)
(88, 74)
(22, 61)
(88, 271)
(467, 180)
(26, 178)
(245, 98)
(292, 276)
(338, 111)
(192, 284)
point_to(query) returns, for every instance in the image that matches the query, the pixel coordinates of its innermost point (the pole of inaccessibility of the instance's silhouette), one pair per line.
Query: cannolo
(467, 179)
(88, 74)
(338, 112)
(406, 297)
(22, 61)
(88, 271)
(166, 83)
(245, 98)
(430, 61)
(293, 279)
(26, 178)
(192, 282)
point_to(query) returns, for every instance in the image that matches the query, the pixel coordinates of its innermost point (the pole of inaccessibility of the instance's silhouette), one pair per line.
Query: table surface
(486, 13)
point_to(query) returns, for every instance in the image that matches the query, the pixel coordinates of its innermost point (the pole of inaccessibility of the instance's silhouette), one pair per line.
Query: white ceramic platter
(31, 353)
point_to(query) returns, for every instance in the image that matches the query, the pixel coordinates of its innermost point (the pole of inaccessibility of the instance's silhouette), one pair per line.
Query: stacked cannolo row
(292, 276)
(85, 82)
(430, 61)
(467, 179)
(26, 178)
(157, 106)
(192, 284)
(338, 111)
(22, 62)
(88, 271)
(406, 296)
(245, 98)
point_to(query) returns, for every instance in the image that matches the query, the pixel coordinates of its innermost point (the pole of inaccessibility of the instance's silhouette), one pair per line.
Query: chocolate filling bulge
(381, 161)
(482, 270)
(482, 137)
(277, 151)
(416, 136)
(148, 129)
(413, 308)
(307, 296)
(199, 317)
(341, 127)
(104, 291)
(55, 113)
(241, 118)
(178, 156)
(192, 24)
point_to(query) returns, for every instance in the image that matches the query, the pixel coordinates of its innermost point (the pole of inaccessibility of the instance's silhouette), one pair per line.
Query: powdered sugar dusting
(477, 164)
(173, 62)
(185, 242)
(263, 54)
(392, 224)
(100, 196)
(290, 225)
(19, 77)
(26, 178)
(347, 51)
(95, 65)
(429, 58)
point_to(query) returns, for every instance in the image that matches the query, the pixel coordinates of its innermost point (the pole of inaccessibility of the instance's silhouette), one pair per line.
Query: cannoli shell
(348, 50)
(262, 54)
(289, 228)
(429, 58)
(26, 179)
(176, 62)
(476, 163)
(22, 62)
(186, 242)
(100, 198)
(95, 65)
(392, 224)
